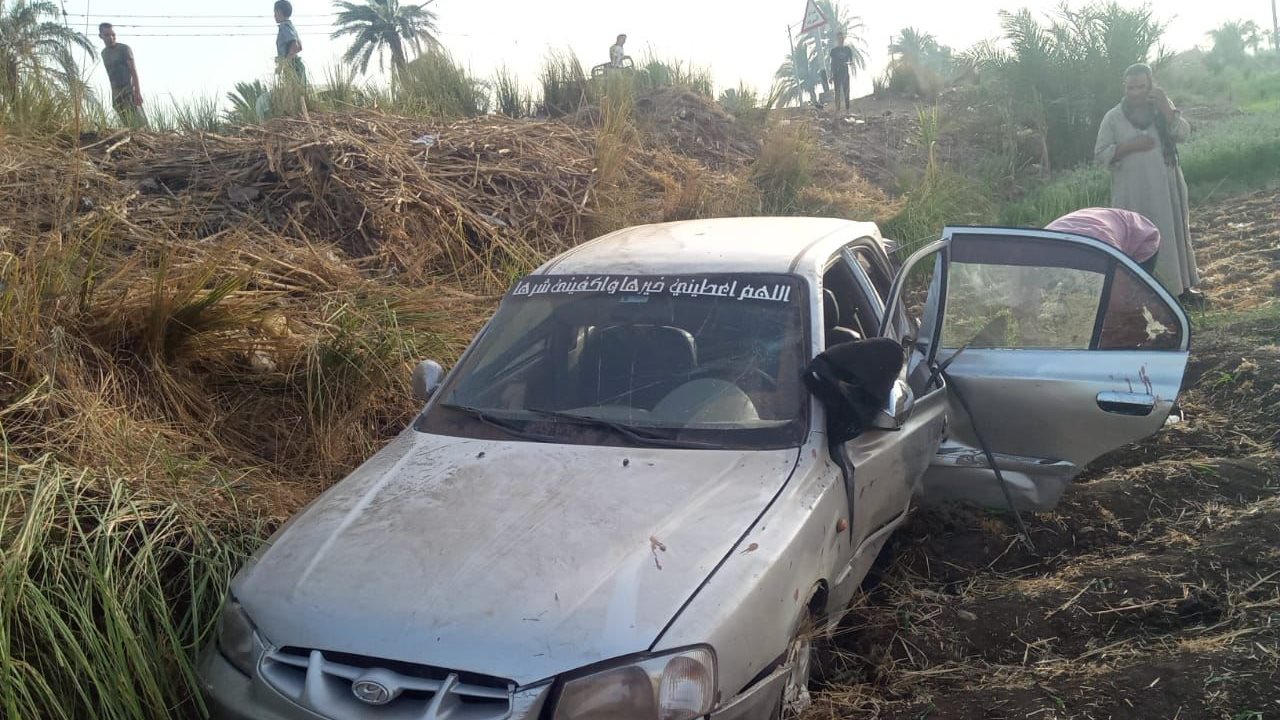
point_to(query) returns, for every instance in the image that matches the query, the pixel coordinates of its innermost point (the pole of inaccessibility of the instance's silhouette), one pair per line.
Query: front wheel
(795, 698)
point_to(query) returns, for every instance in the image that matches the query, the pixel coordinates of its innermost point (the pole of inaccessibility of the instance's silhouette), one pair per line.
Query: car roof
(722, 245)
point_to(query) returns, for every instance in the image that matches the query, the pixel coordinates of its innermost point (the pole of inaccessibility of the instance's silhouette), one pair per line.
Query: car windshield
(678, 361)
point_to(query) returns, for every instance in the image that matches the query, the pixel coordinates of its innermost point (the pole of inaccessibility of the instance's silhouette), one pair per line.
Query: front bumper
(757, 702)
(232, 696)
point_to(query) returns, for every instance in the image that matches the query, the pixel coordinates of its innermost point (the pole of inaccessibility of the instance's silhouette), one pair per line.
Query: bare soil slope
(1155, 588)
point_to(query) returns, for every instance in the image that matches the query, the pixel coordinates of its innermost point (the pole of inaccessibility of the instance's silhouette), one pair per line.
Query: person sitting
(617, 55)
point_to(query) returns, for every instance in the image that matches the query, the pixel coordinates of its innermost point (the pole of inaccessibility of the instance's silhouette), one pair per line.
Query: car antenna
(941, 369)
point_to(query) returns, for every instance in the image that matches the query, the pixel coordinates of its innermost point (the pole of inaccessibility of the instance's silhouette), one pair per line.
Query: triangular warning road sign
(813, 17)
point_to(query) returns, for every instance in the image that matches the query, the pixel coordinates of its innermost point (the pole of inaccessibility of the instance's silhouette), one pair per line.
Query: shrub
(508, 97)
(564, 85)
(942, 197)
(655, 73)
(434, 85)
(784, 167)
(746, 106)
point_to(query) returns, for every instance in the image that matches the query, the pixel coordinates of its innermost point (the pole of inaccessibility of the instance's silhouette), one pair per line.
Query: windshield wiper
(503, 424)
(636, 435)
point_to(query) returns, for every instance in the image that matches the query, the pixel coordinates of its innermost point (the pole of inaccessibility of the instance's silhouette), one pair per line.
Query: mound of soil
(695, 127)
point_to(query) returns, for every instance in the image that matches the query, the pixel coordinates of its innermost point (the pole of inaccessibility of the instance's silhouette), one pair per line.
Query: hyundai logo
(372, 692)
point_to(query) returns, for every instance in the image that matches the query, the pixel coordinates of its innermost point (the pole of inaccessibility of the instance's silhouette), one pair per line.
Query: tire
(795, 697)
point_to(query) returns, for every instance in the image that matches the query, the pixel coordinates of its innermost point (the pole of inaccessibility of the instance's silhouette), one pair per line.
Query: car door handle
(1126, 403)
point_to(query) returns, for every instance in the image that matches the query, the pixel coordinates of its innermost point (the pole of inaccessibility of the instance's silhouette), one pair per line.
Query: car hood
(517, 560)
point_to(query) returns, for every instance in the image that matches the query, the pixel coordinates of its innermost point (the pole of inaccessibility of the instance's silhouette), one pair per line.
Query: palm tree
(244, 103)
(918, 65)
(913, 46)
(1232, 41)
(34, 44)
(378, 25)
(797, 76)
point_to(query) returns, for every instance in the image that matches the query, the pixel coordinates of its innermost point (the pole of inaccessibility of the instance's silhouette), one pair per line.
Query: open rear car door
(1054, 349)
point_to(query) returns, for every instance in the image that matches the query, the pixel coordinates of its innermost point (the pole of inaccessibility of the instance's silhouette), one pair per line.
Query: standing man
(616, 52)
(126, 96)
(840, 58)
(288, 46)
(1138, 141)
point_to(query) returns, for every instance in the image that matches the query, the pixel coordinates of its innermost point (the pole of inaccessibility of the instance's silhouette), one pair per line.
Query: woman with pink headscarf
(1127, 231)
(1129, 312)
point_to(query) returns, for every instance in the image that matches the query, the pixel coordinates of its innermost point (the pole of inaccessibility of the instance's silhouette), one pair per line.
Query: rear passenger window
(879, 278)
(1035, 294)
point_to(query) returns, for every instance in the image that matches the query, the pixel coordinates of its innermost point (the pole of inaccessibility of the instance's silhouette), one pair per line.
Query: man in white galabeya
(1138, 141)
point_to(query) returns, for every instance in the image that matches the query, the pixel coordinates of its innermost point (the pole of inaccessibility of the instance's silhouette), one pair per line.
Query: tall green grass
(435, 85)
(38, 106)
(197, 114)
(105, 596)
(1085, 186)
(656, 73)
(509, 98)
(1235, 155)
(942, 197)
(565, 86)
(341, 90)
(747, 106)
(1240, 153)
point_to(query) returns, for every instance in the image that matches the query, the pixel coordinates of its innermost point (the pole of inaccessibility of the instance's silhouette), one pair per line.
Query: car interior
(846, 313)
(694, 361)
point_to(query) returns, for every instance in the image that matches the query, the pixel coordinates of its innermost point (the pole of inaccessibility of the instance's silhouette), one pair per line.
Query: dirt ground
(1154, 589)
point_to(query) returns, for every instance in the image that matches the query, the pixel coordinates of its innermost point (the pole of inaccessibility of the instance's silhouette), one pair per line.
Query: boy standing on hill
(840, 58)
(117, 59)
(288, 46)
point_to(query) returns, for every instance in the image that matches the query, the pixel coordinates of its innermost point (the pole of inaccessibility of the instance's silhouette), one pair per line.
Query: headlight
(672, 687)
(236, 636)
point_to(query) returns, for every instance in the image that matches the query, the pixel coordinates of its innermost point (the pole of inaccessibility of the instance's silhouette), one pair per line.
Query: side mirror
(426, 379)
(854, 381)
(896, 411)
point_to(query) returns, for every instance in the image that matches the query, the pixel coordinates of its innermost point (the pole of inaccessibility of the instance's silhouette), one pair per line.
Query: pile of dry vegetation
(258, 299)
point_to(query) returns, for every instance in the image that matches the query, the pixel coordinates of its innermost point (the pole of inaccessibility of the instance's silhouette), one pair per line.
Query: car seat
(637, 365)
(835, 334)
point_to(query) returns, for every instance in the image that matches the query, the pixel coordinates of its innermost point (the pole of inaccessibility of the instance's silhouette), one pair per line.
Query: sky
(186, 49)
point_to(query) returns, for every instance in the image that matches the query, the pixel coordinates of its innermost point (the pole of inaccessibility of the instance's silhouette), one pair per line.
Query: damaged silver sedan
(672, 456)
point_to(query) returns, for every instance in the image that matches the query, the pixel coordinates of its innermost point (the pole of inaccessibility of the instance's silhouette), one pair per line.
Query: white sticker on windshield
(736, 288)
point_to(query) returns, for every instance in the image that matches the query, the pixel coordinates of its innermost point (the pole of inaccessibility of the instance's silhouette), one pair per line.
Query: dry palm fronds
(463, 200)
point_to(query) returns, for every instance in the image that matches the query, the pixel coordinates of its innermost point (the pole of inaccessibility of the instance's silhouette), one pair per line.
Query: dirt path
(1155, 591)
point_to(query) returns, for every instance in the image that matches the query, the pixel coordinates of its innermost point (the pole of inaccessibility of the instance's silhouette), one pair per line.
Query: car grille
(351, 687)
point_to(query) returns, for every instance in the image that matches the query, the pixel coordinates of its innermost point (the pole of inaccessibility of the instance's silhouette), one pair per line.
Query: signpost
(813, 18)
